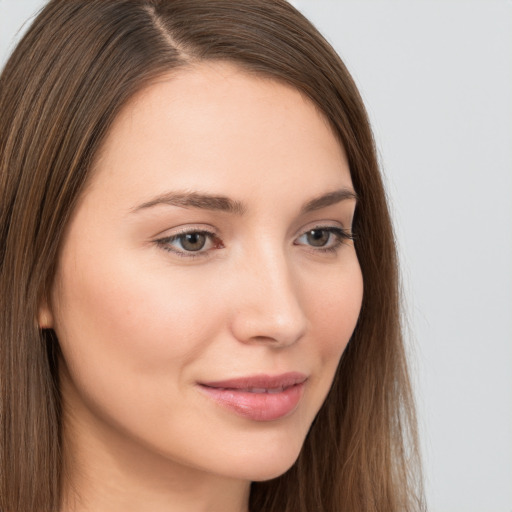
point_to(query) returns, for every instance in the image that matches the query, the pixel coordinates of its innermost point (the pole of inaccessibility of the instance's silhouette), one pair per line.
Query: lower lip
(257, 406)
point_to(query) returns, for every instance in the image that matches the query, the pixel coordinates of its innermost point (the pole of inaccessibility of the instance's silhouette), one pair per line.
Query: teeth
(274, 391)
(271, 391)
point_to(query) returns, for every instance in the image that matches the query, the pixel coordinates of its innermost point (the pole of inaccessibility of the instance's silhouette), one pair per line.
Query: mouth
(258, 397)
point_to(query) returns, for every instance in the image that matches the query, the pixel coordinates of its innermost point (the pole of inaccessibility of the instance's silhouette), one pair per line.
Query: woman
(195, 314)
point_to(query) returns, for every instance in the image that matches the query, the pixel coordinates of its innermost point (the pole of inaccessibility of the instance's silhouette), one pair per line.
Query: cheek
(129, 340)
(334, 305)
(118, 314)
(335, 309)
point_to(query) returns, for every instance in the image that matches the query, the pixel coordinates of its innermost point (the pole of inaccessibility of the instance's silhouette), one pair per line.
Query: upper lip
(261, 381)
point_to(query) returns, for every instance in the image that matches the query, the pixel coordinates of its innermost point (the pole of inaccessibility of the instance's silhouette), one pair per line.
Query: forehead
(214, 122)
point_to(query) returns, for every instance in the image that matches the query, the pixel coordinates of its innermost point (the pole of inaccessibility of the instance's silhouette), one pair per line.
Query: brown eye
(318, 237)
(192, 241)
(324, 239)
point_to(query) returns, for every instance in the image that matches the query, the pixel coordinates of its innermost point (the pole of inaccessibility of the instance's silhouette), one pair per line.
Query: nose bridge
(269, 303)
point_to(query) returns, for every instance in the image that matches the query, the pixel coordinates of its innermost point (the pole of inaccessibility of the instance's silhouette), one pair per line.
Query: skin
(140, 326)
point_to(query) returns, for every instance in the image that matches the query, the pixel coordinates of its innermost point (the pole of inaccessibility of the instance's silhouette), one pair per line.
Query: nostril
(259, 326)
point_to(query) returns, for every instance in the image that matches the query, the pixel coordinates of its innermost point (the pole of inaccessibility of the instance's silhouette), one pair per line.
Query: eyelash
(341, 235)
(164, 243)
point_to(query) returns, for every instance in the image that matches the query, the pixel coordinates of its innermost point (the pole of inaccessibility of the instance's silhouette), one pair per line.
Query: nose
(268, 307)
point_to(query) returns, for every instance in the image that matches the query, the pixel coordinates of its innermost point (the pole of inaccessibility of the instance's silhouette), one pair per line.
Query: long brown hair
(63, 86)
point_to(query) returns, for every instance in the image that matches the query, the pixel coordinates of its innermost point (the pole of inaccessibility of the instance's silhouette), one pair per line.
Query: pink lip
(258, 397)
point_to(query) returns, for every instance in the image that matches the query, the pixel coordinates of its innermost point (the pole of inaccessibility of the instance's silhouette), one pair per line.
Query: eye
(190, 243)
(318, 237)
(327, 238)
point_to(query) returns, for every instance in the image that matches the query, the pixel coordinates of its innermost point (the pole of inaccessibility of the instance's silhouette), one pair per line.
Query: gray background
(437, 80)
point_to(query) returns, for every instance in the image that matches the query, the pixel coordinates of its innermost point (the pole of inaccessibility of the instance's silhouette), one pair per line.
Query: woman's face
(207, 284)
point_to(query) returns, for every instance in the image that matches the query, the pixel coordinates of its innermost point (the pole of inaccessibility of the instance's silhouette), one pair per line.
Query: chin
(272, 471)
(264, 464)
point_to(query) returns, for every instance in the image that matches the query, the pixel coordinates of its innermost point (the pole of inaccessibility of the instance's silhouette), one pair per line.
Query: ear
(44, 315)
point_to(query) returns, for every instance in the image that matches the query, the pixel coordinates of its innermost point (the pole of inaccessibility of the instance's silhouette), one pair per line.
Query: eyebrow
(329, 199)
(225, 204)
(195, 200)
